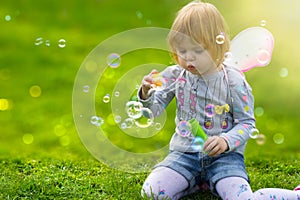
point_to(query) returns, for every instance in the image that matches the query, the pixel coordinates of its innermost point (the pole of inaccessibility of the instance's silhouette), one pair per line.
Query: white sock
(234, 188)
(276, 194)
(164, 183)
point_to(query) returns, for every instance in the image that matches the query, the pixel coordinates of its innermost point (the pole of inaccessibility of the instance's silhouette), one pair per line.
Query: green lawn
(41, 154)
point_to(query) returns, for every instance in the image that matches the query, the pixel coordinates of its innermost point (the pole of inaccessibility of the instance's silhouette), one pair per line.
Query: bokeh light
(35, 91)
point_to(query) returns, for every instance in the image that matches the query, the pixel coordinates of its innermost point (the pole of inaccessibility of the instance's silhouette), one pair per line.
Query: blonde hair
(204, 24)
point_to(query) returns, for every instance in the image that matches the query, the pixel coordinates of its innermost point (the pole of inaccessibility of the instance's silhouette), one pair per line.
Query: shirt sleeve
(242, 108)
(160, 99)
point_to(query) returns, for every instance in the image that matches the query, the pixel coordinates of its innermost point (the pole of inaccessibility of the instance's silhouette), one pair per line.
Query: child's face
(194, 58)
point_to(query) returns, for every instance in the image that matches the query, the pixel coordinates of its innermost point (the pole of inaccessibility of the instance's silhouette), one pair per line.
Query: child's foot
(297, 188)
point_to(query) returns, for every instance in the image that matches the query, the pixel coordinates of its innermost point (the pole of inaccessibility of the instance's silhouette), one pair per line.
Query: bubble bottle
(197, 131)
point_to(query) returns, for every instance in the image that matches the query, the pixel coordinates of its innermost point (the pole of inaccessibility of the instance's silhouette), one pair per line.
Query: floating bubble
(158, 126)
(38, 41)
(283, 72)
(118, 118)
(261, 139)
(210, 110)
(263, 22)
(86, 88)
(259, 111)
(146, 119)
(129, 122)
(278, 138)
(184, 128)
(197, 143)
(134, 109)
(114, 60)
(35, 91)
(139, 14)
(123, 126)
(47, 43)
(117, 93)
(263, 56)
(28, 138)
(62, 43)
(97, 121)
(7, 18)
(254, 133)
(106, 98)
(220, 39)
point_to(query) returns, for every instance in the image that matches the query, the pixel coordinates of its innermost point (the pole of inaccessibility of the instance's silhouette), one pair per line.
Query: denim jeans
(198, 167)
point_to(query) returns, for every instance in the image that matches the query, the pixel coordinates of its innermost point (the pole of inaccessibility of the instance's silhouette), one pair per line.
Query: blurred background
(43, 44)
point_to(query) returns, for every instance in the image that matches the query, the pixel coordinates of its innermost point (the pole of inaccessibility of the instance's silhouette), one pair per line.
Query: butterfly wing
(251, 48)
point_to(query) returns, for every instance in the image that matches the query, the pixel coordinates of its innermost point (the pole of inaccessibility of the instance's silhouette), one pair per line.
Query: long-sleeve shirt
(221, 102)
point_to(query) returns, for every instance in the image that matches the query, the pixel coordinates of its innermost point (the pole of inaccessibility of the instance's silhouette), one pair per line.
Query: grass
(41, 154)
(72, 178)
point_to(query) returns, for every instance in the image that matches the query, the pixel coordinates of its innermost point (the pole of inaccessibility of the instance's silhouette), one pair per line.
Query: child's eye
(199, 51)
(181, 51)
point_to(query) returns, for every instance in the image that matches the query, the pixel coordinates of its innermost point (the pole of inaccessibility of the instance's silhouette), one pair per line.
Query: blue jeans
(198, 167)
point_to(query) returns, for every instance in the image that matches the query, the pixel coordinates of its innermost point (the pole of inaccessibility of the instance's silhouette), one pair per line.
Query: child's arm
(157, 101)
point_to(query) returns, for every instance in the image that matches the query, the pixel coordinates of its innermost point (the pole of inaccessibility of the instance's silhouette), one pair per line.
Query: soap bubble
(97, 121)
(146, 118)
(117, 93)
(139, 14)
(47, 43)
(259, 111)
(114, 60)
(220, 39)
(260, 139)
(184, 128)
(134, 109)
(129, 122)
(284, 72)
(197, 143)
(254, 133)
(62, 43)
(263, 22)
(106, 98)
(118, 118)
(158, 126)
(278, 138)
(38, 41)
(86, 88)
(210, 110)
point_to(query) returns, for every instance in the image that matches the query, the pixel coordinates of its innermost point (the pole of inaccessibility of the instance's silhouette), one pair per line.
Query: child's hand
(215, 145)
(147, 84)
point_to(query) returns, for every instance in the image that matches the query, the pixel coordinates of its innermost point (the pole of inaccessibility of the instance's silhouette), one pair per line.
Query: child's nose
(190, 57)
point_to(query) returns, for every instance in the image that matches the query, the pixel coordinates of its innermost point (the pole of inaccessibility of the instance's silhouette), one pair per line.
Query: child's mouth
(191, 67)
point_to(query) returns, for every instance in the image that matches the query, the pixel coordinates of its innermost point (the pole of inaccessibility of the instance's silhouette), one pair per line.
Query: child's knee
(153, 192)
